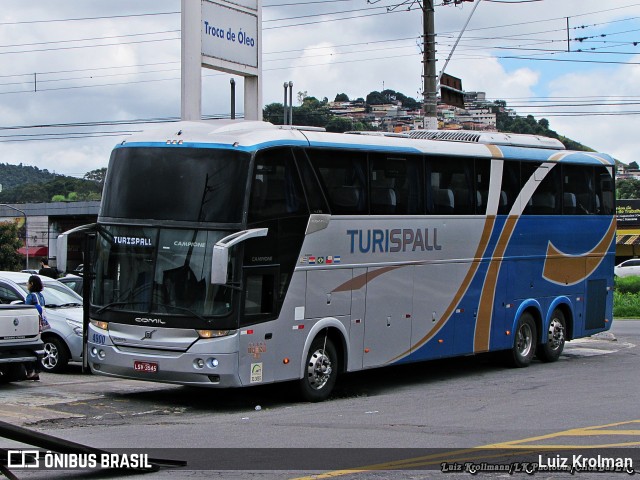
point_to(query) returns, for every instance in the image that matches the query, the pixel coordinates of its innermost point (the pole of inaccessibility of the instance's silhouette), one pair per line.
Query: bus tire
(321, 370)
(56, 355)
(550, 350)
(524, 342)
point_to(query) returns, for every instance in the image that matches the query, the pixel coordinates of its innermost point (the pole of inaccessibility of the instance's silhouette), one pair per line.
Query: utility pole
(429, 63)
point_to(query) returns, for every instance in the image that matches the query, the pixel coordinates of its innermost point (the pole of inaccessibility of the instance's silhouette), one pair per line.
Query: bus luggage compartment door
(328, 293)
(389, 307)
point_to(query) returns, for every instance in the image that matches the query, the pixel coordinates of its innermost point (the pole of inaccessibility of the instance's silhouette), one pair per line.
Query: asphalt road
(444, 409)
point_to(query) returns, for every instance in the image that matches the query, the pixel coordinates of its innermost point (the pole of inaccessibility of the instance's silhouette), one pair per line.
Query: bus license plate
(147, 367)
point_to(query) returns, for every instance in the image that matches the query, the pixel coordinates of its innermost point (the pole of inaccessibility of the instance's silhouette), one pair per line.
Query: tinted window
(450, 186)
(605, 198)
(510, 186)
(315, 198)
(546, 196)
(276, 190)
(344, 179)
(578, 190)
(395, 185)
(481, 178)
(176, 183)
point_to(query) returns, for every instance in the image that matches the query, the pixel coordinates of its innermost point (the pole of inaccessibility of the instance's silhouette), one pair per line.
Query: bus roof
(253, 135)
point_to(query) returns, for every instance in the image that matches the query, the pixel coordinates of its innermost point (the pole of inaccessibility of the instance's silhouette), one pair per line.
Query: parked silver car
(628, 268)
(63, 341)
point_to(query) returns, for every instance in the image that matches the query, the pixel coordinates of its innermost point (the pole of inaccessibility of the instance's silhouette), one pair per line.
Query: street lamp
(26, 232)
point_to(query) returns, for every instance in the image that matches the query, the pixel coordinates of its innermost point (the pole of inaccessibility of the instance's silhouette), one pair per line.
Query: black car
(73, 282)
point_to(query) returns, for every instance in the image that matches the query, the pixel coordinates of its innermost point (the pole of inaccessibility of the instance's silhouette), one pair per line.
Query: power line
(77, 19)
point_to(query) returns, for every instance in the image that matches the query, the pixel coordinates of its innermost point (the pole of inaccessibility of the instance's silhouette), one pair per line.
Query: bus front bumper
(184, 368)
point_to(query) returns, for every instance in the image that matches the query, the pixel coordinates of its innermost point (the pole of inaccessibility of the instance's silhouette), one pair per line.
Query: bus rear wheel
(524, 343)
(550, 350)
(321, 370)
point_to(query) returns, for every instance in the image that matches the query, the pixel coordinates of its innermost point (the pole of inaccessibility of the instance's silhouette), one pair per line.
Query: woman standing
(35, 297)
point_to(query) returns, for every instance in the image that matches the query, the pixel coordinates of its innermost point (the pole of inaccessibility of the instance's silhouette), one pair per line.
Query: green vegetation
(626, 297)
(10, 242)
(22, 184)
(627, 188)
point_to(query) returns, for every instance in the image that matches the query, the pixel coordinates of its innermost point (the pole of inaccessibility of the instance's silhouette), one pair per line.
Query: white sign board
(230, 34)
(250, 4)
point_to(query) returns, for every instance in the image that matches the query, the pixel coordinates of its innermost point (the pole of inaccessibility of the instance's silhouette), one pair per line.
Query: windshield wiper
(184, 310)
(108, 306)
(74, 304)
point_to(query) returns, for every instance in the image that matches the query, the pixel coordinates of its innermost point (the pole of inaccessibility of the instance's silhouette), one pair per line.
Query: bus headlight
(99, 324)
(215, 333)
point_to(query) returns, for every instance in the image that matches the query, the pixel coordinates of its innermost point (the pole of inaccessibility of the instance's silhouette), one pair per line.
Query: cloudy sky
(77, 76)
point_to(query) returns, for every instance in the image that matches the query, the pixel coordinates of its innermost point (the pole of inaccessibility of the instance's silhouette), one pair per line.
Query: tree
(634, 165)
(97, 176)
(342, 97)
(274, 113)
(311, 113)
(10, 242)
(627, 189)
(302, 96)
(339, 125)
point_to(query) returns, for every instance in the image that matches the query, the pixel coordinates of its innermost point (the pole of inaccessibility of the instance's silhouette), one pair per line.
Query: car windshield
(57, 295)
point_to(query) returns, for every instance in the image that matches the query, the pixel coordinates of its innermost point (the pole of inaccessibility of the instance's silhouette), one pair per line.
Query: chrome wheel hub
(555, 334)
(524, 341)
(319, 369)
(50, 359)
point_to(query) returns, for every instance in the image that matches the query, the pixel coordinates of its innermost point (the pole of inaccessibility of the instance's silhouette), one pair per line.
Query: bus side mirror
(220, 255)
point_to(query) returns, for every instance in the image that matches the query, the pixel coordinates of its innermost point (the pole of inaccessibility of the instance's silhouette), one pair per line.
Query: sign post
(224, 35)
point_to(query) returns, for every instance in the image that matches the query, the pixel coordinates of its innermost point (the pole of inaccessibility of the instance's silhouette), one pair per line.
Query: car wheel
(56, 355)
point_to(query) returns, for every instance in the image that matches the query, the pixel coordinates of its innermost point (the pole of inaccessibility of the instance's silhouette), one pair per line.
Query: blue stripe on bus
(542, 155)
(225, 146)
(514, 153)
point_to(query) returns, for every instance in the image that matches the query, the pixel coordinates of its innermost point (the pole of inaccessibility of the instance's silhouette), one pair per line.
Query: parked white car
(628, 268)
(63, 341)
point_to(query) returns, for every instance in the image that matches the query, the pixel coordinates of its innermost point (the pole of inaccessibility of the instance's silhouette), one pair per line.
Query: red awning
(34, 251)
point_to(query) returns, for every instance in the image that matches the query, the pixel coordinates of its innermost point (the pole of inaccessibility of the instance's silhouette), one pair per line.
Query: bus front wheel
(321, 370)
(524, 343)
(550, 350)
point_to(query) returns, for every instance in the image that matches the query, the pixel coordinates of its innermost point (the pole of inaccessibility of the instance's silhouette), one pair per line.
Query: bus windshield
(179, 184)
(158, 270)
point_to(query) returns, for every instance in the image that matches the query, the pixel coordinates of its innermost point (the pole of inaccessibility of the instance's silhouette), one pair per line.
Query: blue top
(37, 299)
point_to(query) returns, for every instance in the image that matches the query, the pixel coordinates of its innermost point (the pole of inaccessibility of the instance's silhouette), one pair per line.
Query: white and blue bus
(231, 254)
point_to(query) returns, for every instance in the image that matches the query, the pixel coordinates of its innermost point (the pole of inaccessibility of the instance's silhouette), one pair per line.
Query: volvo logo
(148, 334)
(153, 321)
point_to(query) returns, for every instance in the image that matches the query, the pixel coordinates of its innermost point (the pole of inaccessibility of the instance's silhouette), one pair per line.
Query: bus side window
(315, 197)
(344, 179)
(546, 197)
(482, 176)
(276, 190)
(449, 181)
(578, 190)
(259, 295)
(605, 198)
(395, 185)
(510, 186)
